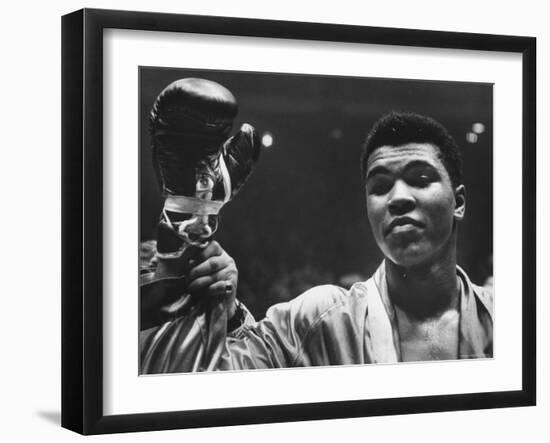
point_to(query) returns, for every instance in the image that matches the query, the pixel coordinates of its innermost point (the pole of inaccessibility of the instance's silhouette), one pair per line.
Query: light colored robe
(326, 325)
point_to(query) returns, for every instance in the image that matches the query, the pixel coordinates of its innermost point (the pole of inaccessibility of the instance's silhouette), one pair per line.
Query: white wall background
(30, 179)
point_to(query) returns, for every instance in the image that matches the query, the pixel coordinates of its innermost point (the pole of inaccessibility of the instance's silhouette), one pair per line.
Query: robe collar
(475, 323)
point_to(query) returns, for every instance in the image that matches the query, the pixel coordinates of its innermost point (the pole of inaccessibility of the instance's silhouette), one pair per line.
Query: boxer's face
(411, 203)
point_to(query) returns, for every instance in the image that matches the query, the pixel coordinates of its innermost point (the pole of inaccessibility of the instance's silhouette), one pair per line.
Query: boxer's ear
(460, 202)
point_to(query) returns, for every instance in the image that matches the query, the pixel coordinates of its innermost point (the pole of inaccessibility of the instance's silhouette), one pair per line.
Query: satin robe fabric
(326, 325)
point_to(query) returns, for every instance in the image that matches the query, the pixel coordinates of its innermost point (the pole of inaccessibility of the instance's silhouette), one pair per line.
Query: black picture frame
(82, 220)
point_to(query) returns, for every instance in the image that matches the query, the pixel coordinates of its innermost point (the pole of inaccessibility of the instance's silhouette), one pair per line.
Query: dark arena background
(300, 220)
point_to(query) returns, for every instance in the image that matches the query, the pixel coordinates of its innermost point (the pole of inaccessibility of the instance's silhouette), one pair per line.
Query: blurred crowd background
(300, 220)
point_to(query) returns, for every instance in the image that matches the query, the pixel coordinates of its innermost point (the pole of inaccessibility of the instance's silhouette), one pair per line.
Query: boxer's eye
(421, 176)
(379, 184)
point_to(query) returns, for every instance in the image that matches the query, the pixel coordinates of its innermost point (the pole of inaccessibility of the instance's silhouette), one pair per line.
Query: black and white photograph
(293, 220)
(288, 221)
(275, 222)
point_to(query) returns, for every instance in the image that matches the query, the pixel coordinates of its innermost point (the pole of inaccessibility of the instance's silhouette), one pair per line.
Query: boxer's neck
(427, 290)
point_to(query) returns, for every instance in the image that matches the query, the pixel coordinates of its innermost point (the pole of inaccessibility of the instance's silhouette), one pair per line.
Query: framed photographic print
(270, 221)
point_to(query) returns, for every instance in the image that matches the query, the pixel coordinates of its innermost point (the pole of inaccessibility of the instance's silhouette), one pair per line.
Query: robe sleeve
(198, 339)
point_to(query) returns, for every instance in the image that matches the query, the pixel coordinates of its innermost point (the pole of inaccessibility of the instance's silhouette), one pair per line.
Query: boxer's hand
(176, 268)
(214, 274)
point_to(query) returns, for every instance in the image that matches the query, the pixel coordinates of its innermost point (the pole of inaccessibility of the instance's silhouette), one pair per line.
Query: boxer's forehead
(389, 157)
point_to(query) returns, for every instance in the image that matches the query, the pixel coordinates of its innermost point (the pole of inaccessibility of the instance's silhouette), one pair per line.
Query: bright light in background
(471, 137)
(478, 128)
(267, 139)
(336, 134)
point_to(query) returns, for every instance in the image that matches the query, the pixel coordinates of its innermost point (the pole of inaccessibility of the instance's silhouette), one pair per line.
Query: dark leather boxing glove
(190, 120)
(241, 152)
(198, 167)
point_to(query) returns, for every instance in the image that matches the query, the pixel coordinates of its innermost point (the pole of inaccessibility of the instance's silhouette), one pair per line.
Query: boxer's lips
(402, 224)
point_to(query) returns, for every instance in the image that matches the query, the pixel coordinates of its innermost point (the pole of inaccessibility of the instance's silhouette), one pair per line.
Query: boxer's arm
(216, 332)
(207, 274)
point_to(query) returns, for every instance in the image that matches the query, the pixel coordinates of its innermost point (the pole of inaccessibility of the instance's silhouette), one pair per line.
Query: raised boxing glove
(198, 167)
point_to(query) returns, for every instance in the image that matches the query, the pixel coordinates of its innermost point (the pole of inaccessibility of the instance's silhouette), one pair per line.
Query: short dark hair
(400, 128)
